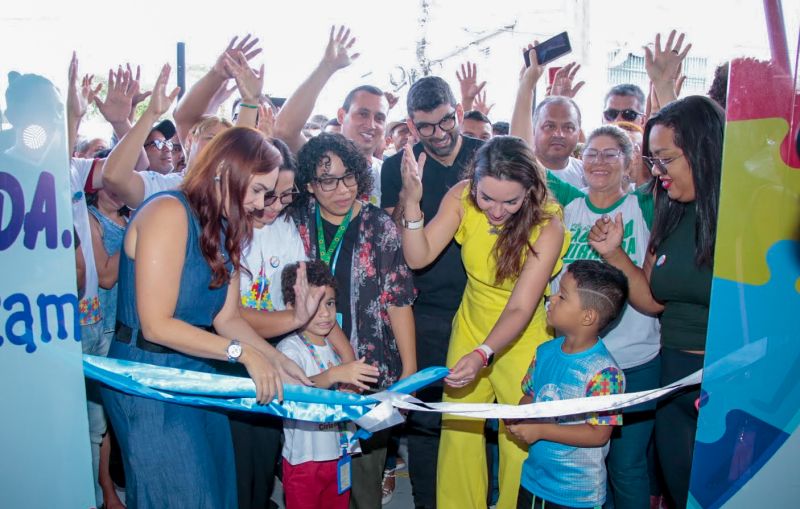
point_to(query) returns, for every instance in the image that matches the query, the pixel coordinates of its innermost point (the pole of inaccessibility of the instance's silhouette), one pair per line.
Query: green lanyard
(325, 254)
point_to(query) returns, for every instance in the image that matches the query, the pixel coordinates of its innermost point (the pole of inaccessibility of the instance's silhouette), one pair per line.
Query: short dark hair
(501, 128)
(719, 86)
(317, 273)
(427, 94)
(289, 162)
(316, 150)
(555, 99)
(627, 90)
(601, 288)
(333, 122)
(477, 116)
(370, 89)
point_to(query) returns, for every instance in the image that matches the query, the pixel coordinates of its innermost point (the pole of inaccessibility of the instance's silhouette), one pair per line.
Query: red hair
(229, 160)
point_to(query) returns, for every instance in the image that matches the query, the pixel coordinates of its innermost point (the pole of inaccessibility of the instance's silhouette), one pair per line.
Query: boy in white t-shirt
(313, 474)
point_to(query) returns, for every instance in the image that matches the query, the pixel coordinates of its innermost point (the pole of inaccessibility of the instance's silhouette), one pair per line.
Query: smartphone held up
(549, 50)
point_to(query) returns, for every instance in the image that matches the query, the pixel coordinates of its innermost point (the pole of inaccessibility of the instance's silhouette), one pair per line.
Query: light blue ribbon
(237, 393)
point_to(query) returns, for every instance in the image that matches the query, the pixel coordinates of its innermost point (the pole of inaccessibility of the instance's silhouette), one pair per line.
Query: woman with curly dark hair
(361, 245)
(512, 241)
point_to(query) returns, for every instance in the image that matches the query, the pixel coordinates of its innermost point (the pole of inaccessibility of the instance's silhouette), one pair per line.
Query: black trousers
(527, 500)
(424, 428)
(256, 448)
(676, 424)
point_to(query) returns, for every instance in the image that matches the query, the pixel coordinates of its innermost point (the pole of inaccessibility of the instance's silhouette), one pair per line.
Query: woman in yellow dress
(512, 240)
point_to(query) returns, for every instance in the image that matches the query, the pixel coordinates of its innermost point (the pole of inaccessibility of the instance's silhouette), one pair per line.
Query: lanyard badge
(343, 478)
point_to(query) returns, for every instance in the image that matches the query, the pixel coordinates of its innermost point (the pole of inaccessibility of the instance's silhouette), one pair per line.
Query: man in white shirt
(557, 126)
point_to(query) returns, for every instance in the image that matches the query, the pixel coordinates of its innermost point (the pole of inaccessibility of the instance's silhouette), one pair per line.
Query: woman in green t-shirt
(683, 149)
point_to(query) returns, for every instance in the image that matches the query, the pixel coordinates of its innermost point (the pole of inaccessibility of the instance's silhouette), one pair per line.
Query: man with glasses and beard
(433, 118)
(624, 103)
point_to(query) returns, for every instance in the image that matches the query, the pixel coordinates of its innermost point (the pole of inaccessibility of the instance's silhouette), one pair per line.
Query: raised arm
(525, 297)
(606, 238)
(521, 118)
(107, 265)
(195, 103)
(78, 98)
(468, 82)
(563, 81)
(298, 108)
(118, 173)
(421, 246)
(664, 68)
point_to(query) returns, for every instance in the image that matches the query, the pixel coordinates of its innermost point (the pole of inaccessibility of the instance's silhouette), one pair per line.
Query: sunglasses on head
(628, 115)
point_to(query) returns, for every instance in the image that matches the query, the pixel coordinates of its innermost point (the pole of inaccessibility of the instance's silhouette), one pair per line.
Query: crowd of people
(536, 259)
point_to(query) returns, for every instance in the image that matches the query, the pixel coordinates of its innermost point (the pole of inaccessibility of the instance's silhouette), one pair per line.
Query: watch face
(234, 351)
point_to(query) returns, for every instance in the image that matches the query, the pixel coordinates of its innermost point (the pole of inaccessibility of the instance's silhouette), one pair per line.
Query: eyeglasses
(594, 156)
(659, 164)
(445, 124)
(628, 115)
(286, 197)
(160, 144)
(331, 183)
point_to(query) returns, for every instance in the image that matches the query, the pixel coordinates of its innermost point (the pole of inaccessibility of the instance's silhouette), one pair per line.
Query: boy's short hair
(317, 273)
(601, 287)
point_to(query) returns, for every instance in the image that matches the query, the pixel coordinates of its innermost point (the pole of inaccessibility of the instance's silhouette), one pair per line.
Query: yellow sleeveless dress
(461, 471)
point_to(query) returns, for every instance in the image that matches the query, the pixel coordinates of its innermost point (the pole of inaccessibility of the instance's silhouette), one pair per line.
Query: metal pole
(776, 32)
(181, 75)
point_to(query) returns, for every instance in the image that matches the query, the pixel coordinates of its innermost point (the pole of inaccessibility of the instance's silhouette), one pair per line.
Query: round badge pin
(661, 260)
(274, 262)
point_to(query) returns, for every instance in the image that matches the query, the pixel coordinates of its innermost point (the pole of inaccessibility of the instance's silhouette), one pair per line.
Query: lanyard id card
(343, 479)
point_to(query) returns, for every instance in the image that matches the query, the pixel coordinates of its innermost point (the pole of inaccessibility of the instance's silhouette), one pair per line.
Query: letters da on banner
(33, 225)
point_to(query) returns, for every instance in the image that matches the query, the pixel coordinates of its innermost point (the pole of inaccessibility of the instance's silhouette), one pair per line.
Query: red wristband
(484, 357)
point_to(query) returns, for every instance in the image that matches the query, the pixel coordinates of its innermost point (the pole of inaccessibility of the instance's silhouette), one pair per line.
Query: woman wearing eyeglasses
(512, 240)
(633, 339)
(361, 245)
(683, 148)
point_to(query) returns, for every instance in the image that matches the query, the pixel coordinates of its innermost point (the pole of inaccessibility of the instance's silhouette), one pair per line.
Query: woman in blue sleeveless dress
(178, 279)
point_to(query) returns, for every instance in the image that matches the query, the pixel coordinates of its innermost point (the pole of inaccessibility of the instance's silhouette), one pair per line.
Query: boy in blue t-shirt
(566, 459)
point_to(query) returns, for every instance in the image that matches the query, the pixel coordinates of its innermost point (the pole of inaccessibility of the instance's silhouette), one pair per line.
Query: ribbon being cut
(372, 413)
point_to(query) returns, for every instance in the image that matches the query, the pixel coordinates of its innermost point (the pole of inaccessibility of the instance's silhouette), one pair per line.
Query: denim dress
(175, 456)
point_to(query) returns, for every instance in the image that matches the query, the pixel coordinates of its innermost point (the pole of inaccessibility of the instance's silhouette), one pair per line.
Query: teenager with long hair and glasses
(512, 240)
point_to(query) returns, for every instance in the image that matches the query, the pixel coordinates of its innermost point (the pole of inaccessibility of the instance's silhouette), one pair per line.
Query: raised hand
(160, 101)
(411, 174)
(118, 104)
(246, 47)
(664, 65)
(266, 120)
(468, 82)
(357, 373)
(134, 88)
(337, 52)
(249, 83)
(306, 301)
(480, 104)
(563, 79)
(606, 234)
(79, 97)
(530, 75)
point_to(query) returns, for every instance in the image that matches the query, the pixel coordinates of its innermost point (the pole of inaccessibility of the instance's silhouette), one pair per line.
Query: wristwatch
(486, 353)
(412, 225)
(234, 351)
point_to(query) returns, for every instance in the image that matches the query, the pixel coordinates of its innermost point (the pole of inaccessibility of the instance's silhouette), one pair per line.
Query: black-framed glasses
(286, 197)
(447, 123)
(331, 183)
(159, 144)
(610, 155)
(628, 115)
(659, 165)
